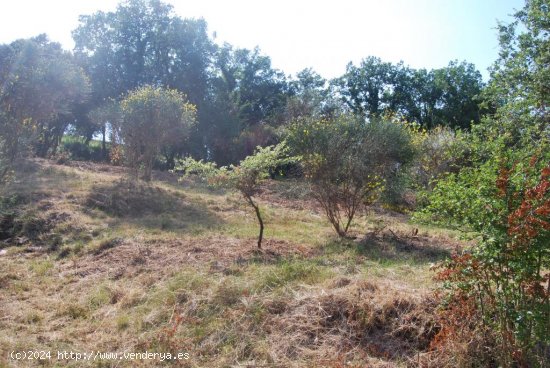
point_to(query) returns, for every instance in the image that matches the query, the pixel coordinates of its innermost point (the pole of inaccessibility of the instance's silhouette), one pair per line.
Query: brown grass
(356, 321)
(108, 265)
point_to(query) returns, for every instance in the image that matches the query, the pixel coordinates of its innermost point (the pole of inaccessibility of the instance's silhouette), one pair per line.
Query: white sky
(296, 34)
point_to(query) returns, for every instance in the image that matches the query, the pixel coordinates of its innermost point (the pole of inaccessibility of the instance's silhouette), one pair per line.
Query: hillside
(92, 262)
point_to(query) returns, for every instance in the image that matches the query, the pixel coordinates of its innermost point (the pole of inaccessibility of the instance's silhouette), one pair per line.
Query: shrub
(439, 151)
(246, 177)
(347, 161)
(505, 202)
(77, 149)
(151, 118)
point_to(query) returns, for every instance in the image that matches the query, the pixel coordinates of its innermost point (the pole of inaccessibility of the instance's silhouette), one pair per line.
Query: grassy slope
(107, 266)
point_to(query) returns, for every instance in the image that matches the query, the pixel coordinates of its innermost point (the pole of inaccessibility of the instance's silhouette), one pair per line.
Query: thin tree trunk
(103, 143)
(148, 169)
(259, 216)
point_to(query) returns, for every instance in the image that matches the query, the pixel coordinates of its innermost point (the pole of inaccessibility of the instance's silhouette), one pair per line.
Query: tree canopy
(447, 96)
(40, 87)
(153, 117)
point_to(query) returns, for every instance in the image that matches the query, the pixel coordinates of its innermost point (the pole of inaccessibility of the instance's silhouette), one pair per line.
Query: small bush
(75, 311)
(440, 151)
(348, 161)
(122, 322)
(291, 271)
(246, 178)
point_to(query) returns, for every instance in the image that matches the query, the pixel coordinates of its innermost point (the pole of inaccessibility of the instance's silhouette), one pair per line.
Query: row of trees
(241, 100)
(442, 97)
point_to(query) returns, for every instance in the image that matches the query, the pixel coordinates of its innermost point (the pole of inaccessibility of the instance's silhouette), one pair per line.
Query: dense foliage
(242, 101)
(150, 119)
(502, 197)
(448, 96)
(347, 160)
(41, 85)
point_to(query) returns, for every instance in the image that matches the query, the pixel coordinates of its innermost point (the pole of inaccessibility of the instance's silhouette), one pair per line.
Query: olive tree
(245, 177)
(347, 161)
(150, 118)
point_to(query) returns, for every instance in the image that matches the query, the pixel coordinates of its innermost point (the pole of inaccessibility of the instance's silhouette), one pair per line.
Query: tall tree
(104, 117)
(519, 89)
(40, 84)
(366, 88)
(460, 85)
(246, 95)
(310, 96)
(144, 42)
(256, 88)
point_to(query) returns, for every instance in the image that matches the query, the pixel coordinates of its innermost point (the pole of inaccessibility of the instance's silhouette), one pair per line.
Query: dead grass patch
(162, 257)
(353, 321)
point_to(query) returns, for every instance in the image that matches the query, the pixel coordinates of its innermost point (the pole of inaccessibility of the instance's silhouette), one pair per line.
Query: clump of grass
(228, 293)
(123, 322)
(75, 311)
(107, 244)
(129, 198)
(33, 317)
(379, 321)
(104, 295)
(288, 272)
(64, 253)
(41, 267)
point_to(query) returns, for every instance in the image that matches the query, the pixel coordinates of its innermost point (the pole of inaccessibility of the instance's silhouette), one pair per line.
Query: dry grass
(354, 320)
(94, 262)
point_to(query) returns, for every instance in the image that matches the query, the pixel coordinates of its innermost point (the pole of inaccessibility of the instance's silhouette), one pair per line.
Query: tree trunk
(55, 144)
(103, 143)
(259, 216)
(148, 169)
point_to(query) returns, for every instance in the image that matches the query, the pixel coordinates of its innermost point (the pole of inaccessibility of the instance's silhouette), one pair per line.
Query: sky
(297, 34)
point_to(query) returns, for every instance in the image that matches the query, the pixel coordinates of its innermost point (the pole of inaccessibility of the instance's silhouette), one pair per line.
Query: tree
(519, 90)
(143, 43)
(246, 177)
(257, 88)
(310, 96)
(40, 86)
(460, 86)
(365, 89)
(152, 117)
(246, 96)
(347, 160)
(104, 117)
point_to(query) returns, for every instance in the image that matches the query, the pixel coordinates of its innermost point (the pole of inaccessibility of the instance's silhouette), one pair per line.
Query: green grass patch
(288, 273)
